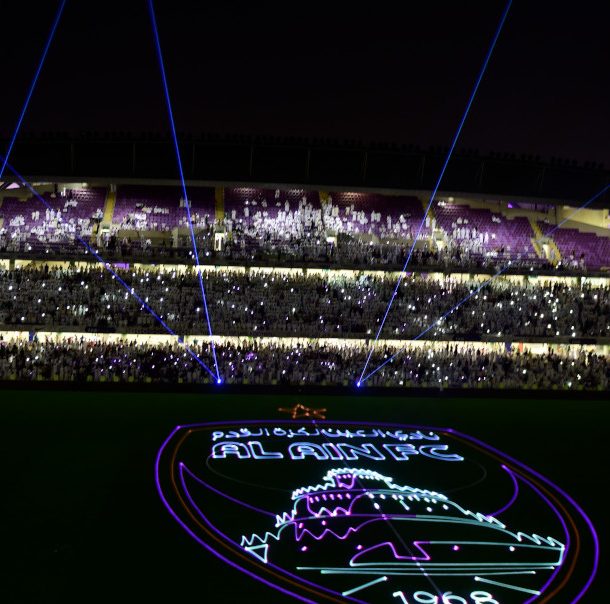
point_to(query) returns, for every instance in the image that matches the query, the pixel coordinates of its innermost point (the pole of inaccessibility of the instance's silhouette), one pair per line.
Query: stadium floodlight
(32, 86)
(108, 267)
(439, 179)
(477, 290)
(187, 203)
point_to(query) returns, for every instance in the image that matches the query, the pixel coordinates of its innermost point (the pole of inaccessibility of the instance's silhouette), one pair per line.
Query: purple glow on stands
(465, 299)
(108, 267)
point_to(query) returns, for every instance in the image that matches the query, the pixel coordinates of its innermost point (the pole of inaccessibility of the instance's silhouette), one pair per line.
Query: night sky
(338, 70)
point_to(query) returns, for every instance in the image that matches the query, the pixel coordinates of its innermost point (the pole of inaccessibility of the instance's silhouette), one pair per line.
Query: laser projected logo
(349, 512)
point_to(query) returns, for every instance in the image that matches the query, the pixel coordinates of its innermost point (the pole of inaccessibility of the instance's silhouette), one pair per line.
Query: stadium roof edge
(460, 196)
(296, 163)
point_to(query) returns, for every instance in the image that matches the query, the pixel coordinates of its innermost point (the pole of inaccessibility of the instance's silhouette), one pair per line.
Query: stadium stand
(342, 229)
(248, 362)
(150, 208)
(385, 216)
(293, 303)
(483, 233)
(297, 282)
(30, 227)
(580, 249)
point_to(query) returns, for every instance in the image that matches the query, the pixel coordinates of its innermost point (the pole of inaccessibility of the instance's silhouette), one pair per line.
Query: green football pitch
(83, 522)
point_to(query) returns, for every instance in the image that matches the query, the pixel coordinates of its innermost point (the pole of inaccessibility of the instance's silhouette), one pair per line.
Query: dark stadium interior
(381, 74)
(364, 215)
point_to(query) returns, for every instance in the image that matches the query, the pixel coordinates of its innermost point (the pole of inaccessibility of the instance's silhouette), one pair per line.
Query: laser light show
(363, 512)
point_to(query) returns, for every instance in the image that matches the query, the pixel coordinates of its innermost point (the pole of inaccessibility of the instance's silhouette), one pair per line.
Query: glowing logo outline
(302, 589)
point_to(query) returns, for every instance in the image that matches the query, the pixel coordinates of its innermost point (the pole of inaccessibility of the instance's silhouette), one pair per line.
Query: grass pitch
(82, 520)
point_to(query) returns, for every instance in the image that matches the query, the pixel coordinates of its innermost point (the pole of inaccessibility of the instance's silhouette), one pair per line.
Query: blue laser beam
(473, 293)
(439, 179)
(109, 268)
(32, 86)
(569, 216)
(187, 203)
(431, 326)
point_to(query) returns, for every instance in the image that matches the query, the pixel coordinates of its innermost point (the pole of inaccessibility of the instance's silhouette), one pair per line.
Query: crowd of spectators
(242, 247)
(30, 226)
(354, 251)
(49, 228)
(248, 362)
(289, 227)
(143, 218)
(342, 251)
(300, 304)
(257, 228)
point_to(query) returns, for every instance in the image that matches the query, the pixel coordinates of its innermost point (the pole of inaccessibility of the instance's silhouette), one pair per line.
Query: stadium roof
(308, 163)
